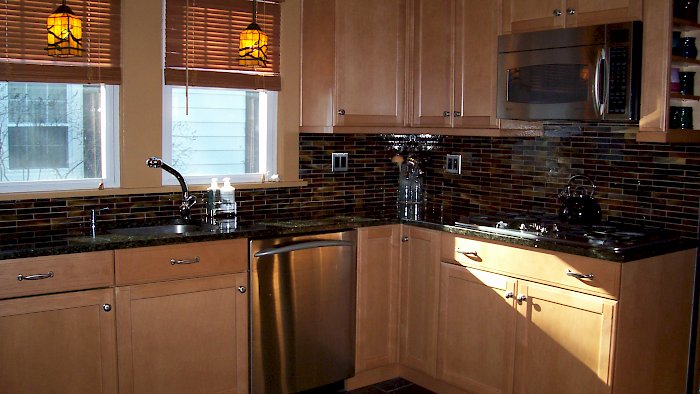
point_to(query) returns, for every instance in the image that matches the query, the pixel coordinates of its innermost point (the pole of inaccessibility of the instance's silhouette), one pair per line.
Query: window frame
(268, 141)
(109, 151)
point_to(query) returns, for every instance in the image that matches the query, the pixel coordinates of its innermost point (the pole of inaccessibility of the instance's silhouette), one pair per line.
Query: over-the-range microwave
(586, 74)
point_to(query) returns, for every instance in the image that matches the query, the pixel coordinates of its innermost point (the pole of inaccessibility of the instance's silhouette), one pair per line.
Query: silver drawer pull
(193, 261)
(579, 276)
(21, 277)
(471, 255)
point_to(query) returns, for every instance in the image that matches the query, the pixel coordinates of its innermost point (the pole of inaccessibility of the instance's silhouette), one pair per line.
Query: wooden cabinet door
(563, 341)
(476, 51)
(434, 62)
(420, 261)
(597, 12)
(370, 77)
(184, 336)
(377, 297)
(476, 334)
(530, 15)
(62, 343)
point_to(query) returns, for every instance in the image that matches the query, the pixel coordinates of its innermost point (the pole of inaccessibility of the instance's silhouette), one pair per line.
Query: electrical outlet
(453, 164)
(339, 162)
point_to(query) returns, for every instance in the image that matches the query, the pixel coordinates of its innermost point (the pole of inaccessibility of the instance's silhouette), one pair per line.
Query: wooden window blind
(23, 33)
(201, 43)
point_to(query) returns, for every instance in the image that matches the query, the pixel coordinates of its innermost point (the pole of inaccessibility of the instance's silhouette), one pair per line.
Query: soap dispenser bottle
(228, 198)
(213, 198)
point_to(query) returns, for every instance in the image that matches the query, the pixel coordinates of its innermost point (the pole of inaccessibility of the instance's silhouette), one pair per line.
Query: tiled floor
(393, 386)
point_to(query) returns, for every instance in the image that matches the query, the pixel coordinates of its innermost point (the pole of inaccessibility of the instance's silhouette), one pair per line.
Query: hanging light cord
(187, 57)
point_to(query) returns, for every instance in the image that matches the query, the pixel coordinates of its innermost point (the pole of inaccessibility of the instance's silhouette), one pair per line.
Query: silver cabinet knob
(457, 114)
(522, 298)
(341, 112)
(509, 295)
(570, 11)
(106, 307)
(446, 114)
(556, 12)
(242, 289)
(404, 239)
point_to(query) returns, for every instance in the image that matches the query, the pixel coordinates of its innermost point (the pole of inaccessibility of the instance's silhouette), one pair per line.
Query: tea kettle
(577, 202)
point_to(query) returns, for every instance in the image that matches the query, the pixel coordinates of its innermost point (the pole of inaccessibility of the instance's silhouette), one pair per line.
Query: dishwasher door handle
(301, 246)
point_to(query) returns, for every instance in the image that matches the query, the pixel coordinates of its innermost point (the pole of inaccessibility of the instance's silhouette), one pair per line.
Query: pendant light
(252, 50)
(65, 33)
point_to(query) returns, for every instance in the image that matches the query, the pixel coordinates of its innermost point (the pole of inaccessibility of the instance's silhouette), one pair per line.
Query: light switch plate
(339, 162)
(453, 164)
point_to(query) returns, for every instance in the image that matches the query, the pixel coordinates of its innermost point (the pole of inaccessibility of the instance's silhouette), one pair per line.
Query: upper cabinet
(454, 63)
(353, 64)
(531, 15)
(398, 64)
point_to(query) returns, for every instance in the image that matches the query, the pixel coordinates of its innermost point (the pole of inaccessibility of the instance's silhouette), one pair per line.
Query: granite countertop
(277, 228)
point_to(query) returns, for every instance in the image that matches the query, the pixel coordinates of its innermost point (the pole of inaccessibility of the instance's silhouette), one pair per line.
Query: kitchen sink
(163, 229)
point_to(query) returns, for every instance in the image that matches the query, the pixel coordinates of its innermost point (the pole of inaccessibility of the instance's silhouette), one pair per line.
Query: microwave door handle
(600, 79)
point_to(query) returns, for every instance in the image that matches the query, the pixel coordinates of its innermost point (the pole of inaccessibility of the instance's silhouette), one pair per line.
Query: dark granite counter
(268, 229)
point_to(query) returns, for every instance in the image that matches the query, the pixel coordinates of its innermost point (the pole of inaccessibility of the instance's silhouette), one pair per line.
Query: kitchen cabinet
(454, 62)
(353, 70)
(654, 125)
(377, 297)
(532, 15)
(188, 334)
(611, 332)
(420, 264)
(65, 340)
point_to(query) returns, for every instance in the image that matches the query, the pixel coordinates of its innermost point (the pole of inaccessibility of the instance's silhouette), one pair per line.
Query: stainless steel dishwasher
(302, 311)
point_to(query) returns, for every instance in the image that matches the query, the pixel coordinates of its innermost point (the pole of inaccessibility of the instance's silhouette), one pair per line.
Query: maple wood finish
(69, 272)
(184, 336)
(420, 264)
(531, 15)
(377, 297)
(586, 338)
(153, 264)
(548, 268)
(354, 70)
(454, 78)
(487, 367)
(58, 343)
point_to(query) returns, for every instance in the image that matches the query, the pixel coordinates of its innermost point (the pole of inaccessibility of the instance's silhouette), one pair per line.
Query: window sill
(123, 191)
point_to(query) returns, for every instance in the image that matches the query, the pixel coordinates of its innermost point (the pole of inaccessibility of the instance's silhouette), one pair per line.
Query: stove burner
(542, 227)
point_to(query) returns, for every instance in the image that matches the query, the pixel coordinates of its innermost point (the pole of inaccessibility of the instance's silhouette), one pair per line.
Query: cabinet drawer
(539, 266)
(52, 274)
(158, 263)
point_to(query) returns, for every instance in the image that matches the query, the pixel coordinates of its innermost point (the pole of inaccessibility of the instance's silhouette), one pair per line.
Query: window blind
(201, 43)
(23, 34)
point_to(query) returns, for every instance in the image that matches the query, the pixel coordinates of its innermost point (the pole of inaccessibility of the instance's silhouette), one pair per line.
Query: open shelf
(670, 137)
(685, 61)
(685, 25)
(684, 97)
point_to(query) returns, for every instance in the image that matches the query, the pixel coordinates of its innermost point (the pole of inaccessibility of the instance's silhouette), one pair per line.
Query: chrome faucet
(187, 200)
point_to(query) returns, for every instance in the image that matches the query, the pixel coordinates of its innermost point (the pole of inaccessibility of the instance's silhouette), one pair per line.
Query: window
(219, 117)
(58, 116)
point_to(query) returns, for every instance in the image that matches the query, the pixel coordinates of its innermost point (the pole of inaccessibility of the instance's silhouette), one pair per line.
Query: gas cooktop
(616, 237)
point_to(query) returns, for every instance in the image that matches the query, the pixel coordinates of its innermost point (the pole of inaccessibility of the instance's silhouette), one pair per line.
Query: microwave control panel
(619, 63)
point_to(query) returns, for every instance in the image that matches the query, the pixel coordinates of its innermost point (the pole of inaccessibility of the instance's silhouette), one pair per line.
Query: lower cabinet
(377, 297)
(184, 336)
(420, 265)
(500, 335)
(62, 343)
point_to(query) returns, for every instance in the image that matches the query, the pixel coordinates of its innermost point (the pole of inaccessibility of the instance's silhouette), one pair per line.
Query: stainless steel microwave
(588, 73)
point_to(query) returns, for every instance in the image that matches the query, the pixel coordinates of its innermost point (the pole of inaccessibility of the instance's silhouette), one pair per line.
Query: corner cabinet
(353, 70)
(182, 321)
(531, 15)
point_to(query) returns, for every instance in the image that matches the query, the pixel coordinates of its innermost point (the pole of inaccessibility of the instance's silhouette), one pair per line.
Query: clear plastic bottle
(228, 198)
(213, 198)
